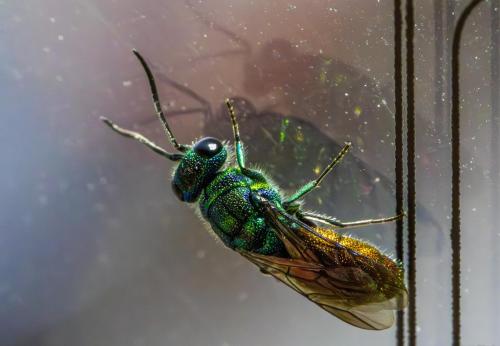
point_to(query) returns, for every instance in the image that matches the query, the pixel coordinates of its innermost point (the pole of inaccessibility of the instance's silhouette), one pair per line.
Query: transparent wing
(336, 290)
(373, 321)
(342, 281)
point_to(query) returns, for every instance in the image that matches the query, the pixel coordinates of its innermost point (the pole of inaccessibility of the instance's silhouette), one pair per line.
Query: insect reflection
(313, 85)
(322, 89)
(345, 276)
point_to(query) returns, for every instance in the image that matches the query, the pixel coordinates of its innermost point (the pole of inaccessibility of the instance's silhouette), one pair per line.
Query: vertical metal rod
(410, 114)
(455, 163)
(398, 102)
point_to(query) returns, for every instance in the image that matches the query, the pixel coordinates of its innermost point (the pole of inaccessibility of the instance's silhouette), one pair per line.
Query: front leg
(240, 155)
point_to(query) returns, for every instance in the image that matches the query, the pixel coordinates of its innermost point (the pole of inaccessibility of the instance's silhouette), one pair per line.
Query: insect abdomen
(227, 205)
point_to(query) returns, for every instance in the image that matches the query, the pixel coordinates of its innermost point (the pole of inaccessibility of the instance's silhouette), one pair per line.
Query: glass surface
(95, 249)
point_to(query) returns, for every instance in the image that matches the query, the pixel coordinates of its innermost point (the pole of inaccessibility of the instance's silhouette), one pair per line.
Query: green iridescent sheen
(226, 203)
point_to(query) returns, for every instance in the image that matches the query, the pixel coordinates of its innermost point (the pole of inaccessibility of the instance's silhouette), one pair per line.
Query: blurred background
(95, 249)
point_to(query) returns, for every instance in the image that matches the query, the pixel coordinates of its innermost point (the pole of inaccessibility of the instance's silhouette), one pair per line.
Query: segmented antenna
(157, 104)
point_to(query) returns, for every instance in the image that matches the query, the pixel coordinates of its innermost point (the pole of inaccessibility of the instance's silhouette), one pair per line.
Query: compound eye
(208, 147)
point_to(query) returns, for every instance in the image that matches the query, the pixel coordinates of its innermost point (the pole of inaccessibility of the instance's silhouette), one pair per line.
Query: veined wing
(354, 287)
(312, 243)
(336, 290)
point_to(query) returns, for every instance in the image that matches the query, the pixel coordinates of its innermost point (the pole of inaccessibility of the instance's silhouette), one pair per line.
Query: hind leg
(353, 224)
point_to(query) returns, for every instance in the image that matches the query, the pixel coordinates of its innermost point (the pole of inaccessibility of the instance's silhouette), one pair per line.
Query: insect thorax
(226, 203)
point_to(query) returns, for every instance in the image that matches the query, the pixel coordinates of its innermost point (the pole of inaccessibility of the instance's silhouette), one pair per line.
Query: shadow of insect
(293, 151)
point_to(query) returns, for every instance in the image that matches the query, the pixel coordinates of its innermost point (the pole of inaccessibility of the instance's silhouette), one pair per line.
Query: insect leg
(240, 155)
(137, 136)
(315, 183)
(353, 224)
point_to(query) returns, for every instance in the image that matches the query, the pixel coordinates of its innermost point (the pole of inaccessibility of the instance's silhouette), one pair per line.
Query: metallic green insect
(347, 277)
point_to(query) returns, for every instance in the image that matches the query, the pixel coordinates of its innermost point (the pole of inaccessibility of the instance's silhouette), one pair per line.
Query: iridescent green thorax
(226, 203)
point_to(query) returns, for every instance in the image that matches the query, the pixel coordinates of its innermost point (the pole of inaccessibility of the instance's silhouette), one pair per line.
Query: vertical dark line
(410, 98)
(450, 26)
(398, 93)
(455, 164)
(495, 115)
(439, 63)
